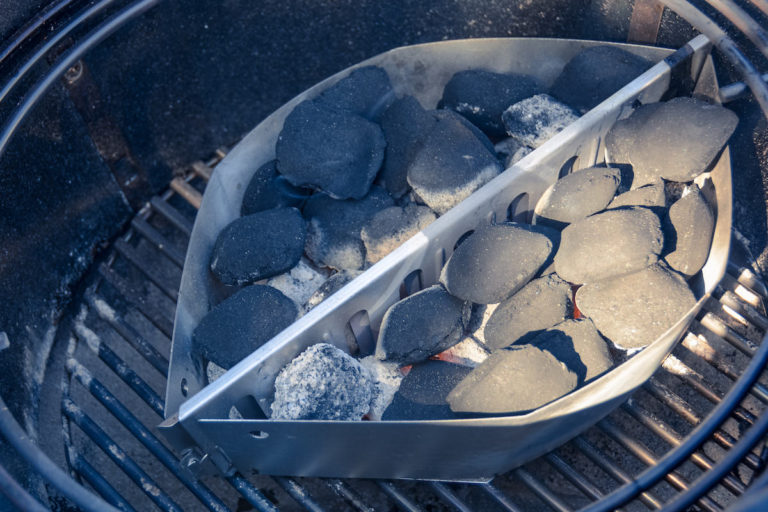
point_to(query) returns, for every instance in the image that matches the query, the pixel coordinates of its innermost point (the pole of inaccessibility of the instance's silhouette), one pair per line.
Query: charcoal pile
(601, 271)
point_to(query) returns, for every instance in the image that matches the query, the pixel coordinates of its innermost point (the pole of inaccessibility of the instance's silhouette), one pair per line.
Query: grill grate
(117, 364)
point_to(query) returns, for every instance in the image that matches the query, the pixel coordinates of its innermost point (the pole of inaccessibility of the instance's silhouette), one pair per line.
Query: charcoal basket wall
(173, 83)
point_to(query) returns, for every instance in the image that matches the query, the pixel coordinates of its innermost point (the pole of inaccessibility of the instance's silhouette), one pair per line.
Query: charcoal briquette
(335, 152)
(576, 196)
(267, 190)
(688, 230)
(242, 323)
(259, 246)
(366, 92)
(496, 261)
(608, 244)
(422, 325)
(535, 120)
(423, 392)
(389, 228)
(651, 196)
(540, 304)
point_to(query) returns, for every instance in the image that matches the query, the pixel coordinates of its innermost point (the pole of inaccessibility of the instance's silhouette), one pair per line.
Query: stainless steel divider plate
(465, 449)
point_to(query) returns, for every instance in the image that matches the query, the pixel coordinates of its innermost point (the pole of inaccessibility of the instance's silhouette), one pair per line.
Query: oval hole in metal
(184, 387)
(567, 167)
(462, 238)
(360, 324)
(518, 209)
(411, 284)
(258, 434)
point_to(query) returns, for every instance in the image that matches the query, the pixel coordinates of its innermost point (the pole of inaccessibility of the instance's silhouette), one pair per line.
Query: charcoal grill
(690, 437)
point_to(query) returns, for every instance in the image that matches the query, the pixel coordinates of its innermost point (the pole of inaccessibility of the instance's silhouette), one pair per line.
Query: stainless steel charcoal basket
(198, 421)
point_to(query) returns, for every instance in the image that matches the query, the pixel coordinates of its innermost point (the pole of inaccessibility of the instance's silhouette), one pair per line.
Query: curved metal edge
(726, 45)
(18, 438)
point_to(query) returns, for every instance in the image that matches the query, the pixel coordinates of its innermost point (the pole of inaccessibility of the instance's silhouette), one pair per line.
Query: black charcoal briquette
(577, 344)
(596, 73)
(267, 190)
(635, 309)
(688, 230)
(242, 323)
(450, 165)
(576, 196)
(333, 233)
(608, 244)
(259, 246)
(540, 304)
(651, 196)
(511, 381)
(389, 228)
(366, 92)
(422, 325)
(405, 124)
(335, 152)
(494, 262)
(676, 140)
(481, 96)
(423, 392)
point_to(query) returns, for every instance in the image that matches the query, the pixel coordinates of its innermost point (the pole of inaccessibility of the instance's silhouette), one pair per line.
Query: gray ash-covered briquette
(607, 244)
(333, 233)
(535, 120)
(496, 261)
(422, 325)
(688, 230)
(482, 96)
(323, 383)
(267, 190)
(423, 392)
(596, 73)
(540, 304)
(450, 165)
(366, 92)
(338, 153)
(676, 140)
(405, 124)
(258, 246)
(512, 381)
(577, 344)
(331, 285)
(651, 196)
(242, 323)
(389, 228)
(635, 309)
(510, 151)
(576, 196)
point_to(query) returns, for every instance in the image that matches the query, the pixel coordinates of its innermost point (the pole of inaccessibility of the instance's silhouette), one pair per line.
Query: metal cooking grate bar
(172, 214)
(541, 491)
(158, 361)
(350, 495)
(147, 231)
(403, 502)
(573, 476)
(666, 432)
(140, 432)
(118, 456)
(163, 324)
(644, 455)
(145, 392)
(122, 370)
(95, 480)
(135, 258)
(602, 461)
(499, 497)
(298, 493)
(450, 497)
